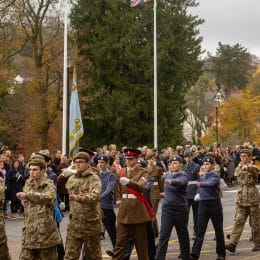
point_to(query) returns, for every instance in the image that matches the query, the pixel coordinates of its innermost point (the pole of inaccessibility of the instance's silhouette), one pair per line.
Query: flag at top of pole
(135, 3)
(76, 130)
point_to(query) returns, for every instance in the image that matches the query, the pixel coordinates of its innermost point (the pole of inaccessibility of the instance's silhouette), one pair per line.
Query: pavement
(14, 229)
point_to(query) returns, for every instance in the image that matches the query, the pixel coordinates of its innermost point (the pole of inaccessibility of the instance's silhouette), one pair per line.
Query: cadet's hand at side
(73, 197)
(124, 180)
(167, 182)
(21, 195)
(162, 194)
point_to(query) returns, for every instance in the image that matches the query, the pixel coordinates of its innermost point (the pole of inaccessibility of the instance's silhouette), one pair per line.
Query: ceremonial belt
(192, 182)
(139, 196)
(128, 196)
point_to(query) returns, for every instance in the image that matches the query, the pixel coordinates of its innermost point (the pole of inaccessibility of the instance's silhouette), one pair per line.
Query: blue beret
(188, 154)
(176, 158)
(103, 157)
(209, 159)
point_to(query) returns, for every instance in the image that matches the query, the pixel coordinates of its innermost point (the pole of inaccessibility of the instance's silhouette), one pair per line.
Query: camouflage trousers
(50, 253)
(242, 213)
(4, 252)
(74, 246)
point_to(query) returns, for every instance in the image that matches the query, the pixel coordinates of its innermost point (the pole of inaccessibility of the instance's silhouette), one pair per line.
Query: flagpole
(155, 72)
(65, 79)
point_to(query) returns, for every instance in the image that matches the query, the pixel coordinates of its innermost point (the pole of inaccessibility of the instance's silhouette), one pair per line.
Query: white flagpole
(65, 94)
(155, 73)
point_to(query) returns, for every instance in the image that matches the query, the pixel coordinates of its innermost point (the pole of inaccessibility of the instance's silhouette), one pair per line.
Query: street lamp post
(217, 101)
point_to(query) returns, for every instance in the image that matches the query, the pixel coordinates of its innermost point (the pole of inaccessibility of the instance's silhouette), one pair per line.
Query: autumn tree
(39, 62)
(233, 67)
(41, 27)
(239, 119)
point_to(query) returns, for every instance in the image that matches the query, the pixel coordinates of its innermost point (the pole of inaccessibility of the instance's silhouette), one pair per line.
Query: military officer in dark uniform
(192, 170)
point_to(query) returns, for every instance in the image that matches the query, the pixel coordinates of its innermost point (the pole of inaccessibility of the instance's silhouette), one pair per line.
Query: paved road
(14, 227)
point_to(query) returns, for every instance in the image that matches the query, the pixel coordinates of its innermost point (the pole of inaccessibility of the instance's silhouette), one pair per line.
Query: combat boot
(231, 247)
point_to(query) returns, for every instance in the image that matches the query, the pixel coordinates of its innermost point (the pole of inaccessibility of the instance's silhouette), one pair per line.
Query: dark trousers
(173, 216)
(110, 224)
(14, 206)
(211, 209)
(191, 203)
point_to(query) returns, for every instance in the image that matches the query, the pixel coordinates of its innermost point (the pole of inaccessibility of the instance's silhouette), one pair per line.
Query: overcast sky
(230, 22)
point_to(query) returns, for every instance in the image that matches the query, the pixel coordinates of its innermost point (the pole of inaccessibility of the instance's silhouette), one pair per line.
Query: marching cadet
(134, 211)
(192, 170)
(156, 173)
(84, 225)
(108, 182)
(4, 252)
(210, 207)
(247, 202)
(40, 235)
(174, 210)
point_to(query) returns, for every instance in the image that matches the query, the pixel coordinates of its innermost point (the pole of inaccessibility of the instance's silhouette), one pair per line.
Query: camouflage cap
(246, 151)
(46, 154)
(37, 160)
(36, 156)
(82, 155)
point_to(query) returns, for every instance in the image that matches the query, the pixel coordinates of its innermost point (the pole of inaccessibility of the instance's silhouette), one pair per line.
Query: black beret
(142, 162)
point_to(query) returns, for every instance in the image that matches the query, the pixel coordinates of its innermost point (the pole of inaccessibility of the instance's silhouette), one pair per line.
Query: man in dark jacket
(192, 170)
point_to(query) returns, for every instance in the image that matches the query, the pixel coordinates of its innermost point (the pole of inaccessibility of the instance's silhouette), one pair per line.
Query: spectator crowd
(90, 185)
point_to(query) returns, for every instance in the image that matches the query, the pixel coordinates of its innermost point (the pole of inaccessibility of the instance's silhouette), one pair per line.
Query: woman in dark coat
(15, 181)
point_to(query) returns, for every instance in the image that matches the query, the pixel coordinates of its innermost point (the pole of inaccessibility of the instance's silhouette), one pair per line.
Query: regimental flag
(76, 130)
(135, 3)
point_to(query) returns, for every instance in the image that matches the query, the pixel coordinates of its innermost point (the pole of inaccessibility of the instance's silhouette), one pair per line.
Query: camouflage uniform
(40, 235)
(85, 223)
(4, 252)
(156, 172)
(247, 201)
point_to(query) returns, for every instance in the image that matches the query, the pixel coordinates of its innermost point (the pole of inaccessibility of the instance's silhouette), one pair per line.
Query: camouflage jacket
(248, 194)
(40, 229)
(85, 213)
(2, 224)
